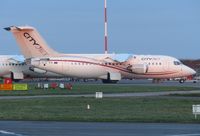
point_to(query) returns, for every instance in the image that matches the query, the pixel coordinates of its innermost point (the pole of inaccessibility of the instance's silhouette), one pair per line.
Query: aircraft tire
(106, 81)
(181, 81)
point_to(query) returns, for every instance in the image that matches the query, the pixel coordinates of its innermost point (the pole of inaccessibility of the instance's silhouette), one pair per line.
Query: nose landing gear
(181, 81)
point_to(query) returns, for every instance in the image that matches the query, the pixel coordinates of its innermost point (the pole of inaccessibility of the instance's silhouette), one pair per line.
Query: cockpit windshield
(177, 63)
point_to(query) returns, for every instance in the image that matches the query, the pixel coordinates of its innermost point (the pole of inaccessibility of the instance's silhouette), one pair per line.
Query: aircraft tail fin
(30, 42)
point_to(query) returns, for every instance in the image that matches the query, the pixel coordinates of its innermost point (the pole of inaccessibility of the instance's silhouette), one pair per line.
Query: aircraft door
(166, 65)
(65, 67)
(43, 63)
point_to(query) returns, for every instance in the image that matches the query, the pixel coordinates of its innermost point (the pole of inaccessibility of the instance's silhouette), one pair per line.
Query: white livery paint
(108, 67)
(161, 67)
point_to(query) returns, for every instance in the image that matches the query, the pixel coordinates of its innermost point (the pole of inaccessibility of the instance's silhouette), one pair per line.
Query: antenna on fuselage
(105, 28)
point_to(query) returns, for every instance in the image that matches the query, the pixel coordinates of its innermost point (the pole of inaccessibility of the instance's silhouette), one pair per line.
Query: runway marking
(9, 133)
(185, 135)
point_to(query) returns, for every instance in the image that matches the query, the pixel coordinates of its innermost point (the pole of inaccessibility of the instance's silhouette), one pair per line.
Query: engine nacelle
(139, 68)
(37, 70)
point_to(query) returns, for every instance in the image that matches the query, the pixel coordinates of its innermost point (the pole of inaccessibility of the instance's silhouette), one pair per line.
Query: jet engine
(135, 66)
(37, 70)
(139, 68)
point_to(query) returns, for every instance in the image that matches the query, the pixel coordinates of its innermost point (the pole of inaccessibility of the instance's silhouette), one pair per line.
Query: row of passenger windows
(12, 64)
(85, 63)
(156, 63)
(114, 64)
(77, 63)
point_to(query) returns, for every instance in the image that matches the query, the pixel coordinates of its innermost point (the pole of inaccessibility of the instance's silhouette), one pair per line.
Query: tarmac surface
(38, 128)
(142, 82)
(143, 94)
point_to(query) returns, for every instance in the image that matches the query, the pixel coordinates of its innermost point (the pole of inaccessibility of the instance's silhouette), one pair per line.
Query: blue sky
(168, 27)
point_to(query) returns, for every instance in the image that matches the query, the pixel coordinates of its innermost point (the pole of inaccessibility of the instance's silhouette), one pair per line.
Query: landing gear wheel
(16, 80)
(106, 81)
(181, 81)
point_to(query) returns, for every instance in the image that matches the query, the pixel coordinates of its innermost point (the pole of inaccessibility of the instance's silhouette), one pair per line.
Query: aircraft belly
(160, 76)
(86, 71)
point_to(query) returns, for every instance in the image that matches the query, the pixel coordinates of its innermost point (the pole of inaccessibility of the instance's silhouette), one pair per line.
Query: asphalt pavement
(38, 128)
(112, 95)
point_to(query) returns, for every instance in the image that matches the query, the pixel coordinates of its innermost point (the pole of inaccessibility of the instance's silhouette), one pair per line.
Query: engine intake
(139, 68)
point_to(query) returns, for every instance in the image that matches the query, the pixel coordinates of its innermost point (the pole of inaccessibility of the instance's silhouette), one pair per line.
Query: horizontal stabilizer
(20, 28)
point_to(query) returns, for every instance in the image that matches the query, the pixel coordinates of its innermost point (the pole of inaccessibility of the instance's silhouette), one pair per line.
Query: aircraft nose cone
(189, 71)
(193, 72)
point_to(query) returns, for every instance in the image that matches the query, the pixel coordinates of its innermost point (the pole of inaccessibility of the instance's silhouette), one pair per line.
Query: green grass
(102, 110)
(88, 89)
(187, 95)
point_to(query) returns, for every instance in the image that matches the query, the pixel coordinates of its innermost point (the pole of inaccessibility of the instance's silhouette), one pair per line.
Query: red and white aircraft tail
(31, 42)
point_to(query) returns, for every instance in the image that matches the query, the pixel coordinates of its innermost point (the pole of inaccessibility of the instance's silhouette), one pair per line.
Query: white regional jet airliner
(108, 67)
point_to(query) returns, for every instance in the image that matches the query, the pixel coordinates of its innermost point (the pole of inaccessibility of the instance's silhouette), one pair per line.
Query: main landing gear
(157, 81)
(107, 81)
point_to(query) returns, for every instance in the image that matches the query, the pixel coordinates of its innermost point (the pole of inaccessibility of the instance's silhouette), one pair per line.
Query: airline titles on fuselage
(149, 59)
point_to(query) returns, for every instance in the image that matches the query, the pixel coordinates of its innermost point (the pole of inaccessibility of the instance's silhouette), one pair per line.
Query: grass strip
(154, 109)
(90, 89)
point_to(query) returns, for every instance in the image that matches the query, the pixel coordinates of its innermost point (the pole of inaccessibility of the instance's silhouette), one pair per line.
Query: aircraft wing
(118, 57)
(16, 59)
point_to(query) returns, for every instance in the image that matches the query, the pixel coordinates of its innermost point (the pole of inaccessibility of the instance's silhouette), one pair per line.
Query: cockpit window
(177, 63)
